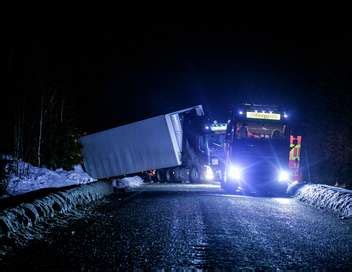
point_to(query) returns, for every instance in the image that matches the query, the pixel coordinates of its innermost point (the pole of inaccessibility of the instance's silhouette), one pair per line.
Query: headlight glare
(284, 176)
(234, 172)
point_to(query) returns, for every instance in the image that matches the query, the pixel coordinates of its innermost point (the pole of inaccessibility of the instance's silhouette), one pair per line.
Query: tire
(185, 174)
(227, 188)
(276, 190)
(169, 175)
(160, 176)
(194, 175)
(177, 174)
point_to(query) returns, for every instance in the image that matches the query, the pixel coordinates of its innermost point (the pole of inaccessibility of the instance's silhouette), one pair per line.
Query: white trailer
(151, 144)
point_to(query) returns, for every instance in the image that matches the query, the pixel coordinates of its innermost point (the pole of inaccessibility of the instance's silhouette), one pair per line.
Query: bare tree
(62, 110)
(19, 136)
(47, 106)
(40, 130)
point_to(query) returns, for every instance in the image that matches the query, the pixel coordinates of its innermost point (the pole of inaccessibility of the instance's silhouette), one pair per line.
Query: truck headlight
(234, 172)
(209, 173)
(283, 176)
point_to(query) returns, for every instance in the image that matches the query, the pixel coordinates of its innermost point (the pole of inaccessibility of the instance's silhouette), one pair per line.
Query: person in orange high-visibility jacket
(294, 156)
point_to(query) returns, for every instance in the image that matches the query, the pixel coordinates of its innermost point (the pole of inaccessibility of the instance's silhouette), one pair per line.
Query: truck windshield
(261, 131)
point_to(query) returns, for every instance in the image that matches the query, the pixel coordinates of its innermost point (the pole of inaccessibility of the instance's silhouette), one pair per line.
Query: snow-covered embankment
(327, 197)
(27, 221)
(37, 178)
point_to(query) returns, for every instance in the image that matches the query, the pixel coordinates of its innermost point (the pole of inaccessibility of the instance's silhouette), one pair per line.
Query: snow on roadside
(32, 220)
(128, 182)
(332, 198)
(40, 178)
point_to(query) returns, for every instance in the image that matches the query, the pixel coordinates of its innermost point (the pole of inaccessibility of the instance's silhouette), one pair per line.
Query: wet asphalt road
(173, 227)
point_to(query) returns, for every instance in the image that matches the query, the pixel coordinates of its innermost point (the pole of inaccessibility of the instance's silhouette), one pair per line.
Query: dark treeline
(43, 129)
(40, 129)
(326, 122)
(38, 110)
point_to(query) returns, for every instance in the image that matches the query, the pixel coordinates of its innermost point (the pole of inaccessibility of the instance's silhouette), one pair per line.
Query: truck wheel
(227, 188)
(177, 176)
(194, 175)
(185, 173)
(169, 175)
(160, 176)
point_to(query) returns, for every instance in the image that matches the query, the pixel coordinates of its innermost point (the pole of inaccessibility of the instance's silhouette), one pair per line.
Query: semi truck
(173, 147)
(261, 152)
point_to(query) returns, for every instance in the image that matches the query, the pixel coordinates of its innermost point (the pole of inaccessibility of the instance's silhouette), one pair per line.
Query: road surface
(198, 227)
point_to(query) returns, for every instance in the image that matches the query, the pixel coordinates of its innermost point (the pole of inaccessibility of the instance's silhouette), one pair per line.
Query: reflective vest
(294, 156)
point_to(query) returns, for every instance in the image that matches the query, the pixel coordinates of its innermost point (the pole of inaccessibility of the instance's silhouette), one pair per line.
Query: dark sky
(127, 72)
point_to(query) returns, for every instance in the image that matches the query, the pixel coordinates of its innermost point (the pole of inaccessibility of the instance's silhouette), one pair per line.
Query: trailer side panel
(136, 147)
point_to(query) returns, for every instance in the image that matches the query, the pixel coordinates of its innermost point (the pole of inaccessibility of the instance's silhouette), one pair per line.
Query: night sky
(127, 72)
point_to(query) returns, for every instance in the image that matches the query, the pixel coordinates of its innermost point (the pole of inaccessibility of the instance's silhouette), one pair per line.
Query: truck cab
(257, 150)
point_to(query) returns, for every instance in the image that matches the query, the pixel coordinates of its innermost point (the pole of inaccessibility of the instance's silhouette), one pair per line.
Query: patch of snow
(332, 198)
(128, 182)
(39, 178)
(28, 221)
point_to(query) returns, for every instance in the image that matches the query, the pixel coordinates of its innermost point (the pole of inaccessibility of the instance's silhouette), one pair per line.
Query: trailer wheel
(194, 175)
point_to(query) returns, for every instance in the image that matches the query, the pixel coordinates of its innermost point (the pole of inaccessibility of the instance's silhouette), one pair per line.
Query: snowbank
(128, 182)
(332, 198)
(40, 178)
(27, 221)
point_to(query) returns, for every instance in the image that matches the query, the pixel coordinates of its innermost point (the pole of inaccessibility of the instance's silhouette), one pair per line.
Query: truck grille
(260, 172)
